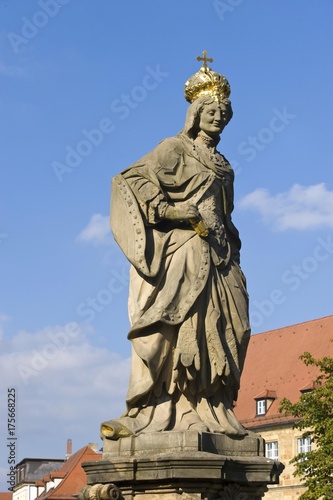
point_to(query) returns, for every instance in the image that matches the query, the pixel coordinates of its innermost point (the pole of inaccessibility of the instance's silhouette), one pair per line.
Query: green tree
(314, 415)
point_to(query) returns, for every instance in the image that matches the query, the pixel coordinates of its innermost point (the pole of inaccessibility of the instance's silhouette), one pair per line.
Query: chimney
(68, 448)
(93, 446)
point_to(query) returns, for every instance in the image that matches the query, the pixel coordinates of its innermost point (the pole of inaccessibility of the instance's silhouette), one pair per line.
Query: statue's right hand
(182, 212)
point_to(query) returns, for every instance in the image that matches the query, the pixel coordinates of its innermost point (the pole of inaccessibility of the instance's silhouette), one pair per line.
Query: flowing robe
(188, 303)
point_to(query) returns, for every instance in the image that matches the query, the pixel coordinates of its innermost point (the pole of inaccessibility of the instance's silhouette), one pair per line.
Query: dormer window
(308, 387)
(264, 401)
(261, 407)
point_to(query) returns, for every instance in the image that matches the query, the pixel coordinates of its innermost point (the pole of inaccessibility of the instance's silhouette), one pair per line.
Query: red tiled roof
(73, 473)
(272, 365)
(266, 395)
(6, 495)
(58, 474)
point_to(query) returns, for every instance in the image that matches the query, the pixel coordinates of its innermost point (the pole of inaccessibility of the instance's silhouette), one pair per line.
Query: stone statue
(188, 304)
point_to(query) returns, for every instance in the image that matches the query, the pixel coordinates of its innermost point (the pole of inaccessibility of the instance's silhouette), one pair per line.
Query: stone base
(187, 441)
(181, 466)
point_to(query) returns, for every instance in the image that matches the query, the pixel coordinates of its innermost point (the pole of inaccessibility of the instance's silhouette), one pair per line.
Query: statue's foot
(188, 420)
(112, 429)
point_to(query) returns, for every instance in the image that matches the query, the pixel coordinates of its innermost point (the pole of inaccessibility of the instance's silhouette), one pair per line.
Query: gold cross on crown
(205, 59)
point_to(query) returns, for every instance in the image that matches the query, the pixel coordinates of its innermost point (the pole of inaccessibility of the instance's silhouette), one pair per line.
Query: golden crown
(206, 82)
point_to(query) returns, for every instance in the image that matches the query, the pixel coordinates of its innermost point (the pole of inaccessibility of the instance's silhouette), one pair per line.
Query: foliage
(314, 414)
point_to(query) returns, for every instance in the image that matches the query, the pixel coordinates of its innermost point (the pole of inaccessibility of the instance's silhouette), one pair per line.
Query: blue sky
(87, 88)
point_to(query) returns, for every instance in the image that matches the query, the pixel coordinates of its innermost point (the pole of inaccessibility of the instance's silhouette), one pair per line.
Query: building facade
(28, 471)
(53, 479)
(273, 371)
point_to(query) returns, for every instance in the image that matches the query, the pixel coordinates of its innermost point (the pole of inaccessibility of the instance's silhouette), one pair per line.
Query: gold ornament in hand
(199, 227)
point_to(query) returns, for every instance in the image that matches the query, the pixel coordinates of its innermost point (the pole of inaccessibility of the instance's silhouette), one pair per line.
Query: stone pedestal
(181, 465)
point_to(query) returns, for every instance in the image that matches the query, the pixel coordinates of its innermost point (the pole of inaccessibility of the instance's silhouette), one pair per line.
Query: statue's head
(210, 109)
(205, 113)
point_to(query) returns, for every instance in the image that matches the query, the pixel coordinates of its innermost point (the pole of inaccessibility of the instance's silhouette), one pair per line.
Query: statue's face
(213, 119)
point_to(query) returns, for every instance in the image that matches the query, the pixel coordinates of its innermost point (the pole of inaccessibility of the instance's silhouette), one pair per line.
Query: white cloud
(63, 353)
(97, 231)
(299, 208)
(65, 385)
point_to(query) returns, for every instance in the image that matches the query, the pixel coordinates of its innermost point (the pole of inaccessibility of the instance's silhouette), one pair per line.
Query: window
(264, 400)
(304, 445)
(261, 406)
(19, 474)
(272, 450)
